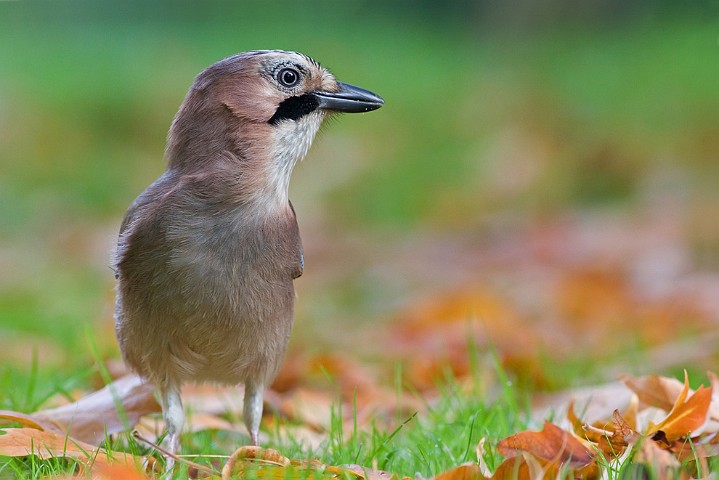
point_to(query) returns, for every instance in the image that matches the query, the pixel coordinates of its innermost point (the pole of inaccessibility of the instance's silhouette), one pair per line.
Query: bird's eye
(288, 77)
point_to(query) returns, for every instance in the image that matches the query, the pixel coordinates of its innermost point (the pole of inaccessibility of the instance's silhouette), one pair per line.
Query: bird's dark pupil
(289, 77)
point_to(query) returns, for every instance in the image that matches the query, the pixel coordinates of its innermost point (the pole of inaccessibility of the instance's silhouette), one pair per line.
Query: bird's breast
(236, 257)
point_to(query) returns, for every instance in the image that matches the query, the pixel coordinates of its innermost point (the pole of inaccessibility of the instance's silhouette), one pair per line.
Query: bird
(207, 255)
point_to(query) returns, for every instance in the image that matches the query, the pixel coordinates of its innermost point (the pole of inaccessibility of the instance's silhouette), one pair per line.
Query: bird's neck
(289, 144)
(198, 135)
(253, 162)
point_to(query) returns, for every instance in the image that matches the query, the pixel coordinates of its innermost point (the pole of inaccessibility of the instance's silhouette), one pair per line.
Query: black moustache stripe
(295, 108)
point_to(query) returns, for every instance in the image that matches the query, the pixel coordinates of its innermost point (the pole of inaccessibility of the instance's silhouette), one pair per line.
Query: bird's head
(262, 108)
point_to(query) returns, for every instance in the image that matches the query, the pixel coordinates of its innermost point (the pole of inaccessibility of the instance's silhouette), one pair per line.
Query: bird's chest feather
(232, 247)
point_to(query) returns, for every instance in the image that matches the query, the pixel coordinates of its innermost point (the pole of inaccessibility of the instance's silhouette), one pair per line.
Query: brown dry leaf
(662, 462)
(688, 451)
(630, 414)
(268, 463)
(466, 471)
(245, 456)
(624, 434)
(199, 421)
(687, 415)
(215, 399)
(655, 391)
(311, 407)
(577, 424)
(22, 442)
(371, 474)
(439, 326)
(551, 444)
(94, 416)
(615, 442)
(714, 407)
(26, 420)
(593, 294)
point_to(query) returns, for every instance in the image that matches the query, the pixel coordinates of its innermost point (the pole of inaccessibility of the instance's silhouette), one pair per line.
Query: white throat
(290, 142)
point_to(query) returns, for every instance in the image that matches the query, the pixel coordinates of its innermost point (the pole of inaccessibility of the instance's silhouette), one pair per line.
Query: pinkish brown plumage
(207, 255)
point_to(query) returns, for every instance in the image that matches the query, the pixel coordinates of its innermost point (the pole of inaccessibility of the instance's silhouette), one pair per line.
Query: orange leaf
(22, 442)
(515, 468)
(118, 472)
(466, 471)
(577, 424)
(551, 444)
(686, 416)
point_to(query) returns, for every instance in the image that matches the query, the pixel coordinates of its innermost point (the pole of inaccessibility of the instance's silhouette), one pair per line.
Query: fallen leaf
(514, 468)
(371, 474)
(654, 390)
(614, 443)
(687, 415)
(483, 467)
(199, 421)
(714, 407)
(551, 444)
(95, 416)
(256, 462)
(28, 420)
(215, 399)
(118, 471)
(22, 442)
(466, 471)
(662, 463)
(622, 430)
(311, 407)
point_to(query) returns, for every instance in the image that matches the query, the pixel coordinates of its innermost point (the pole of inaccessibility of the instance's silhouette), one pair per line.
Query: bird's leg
(252, 410)
(175, 419)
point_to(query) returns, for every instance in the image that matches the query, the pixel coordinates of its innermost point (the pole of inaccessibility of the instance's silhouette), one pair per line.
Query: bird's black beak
(349, 99)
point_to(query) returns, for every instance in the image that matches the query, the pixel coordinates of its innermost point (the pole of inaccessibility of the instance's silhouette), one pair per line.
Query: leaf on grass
(311, 407)
(687, 415)
(551, 444)
(655, 391)
(515, 468)
(23, 442)
(267, 463)
(371, 474)
(466, 471)
(624, 434)
(577, 424)
(94, 416)
(630, 414)
(714, 407)
(662, 462)
(117, 471)
(27, 420)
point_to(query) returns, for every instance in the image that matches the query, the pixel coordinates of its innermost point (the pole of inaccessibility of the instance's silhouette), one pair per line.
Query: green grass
(427, 443)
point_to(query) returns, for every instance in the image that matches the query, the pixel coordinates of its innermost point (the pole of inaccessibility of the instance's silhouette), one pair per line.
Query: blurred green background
(495, 112)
